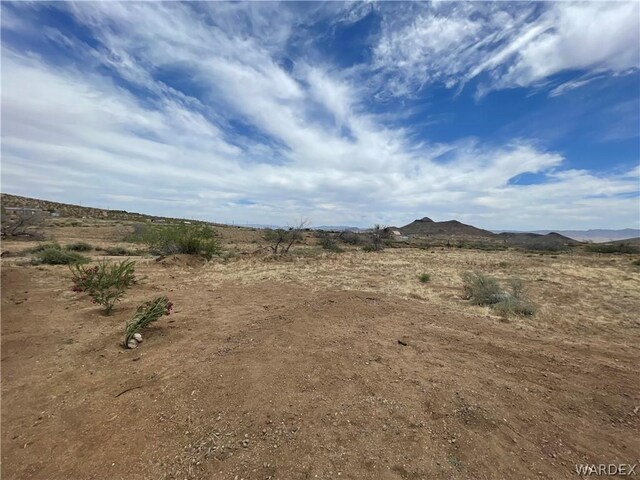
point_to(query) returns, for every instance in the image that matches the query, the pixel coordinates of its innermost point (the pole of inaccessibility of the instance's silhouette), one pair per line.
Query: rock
(138, 337)
(132, 343)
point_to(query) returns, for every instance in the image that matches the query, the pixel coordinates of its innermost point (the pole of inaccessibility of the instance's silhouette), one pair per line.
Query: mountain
(536, 240)
(426, 226)
(460, 232)
(599, 235)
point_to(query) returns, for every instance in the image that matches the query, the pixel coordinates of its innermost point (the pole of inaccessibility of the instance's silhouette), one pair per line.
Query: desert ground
(319, 365)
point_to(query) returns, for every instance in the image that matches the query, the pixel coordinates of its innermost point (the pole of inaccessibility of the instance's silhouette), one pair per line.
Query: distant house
(398, 236)
(23, 211)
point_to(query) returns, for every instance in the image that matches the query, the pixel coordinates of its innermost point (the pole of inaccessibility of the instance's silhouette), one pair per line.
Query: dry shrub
(482, 289)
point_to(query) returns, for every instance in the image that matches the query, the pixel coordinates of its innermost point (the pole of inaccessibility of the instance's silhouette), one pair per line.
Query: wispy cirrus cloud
(514, 45)
(200, 110)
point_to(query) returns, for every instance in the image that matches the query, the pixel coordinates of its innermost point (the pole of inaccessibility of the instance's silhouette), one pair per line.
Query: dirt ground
(321, 366)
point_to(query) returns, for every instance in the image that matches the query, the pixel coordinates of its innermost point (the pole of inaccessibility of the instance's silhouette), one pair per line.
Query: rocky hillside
(68, 210)
(426, 226)
(455, 230)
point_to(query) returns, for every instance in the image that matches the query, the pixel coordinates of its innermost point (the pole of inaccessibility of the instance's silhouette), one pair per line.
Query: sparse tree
(283, 239)
(379, 235)
(328, 241)
(350, 238)
(22, 224)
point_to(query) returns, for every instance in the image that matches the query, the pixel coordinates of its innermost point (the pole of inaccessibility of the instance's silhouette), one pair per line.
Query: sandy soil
(293, 369)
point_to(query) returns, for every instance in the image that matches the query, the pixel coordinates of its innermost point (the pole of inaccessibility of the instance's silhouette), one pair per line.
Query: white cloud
(511, 43)
(597, 36)
(73, 133)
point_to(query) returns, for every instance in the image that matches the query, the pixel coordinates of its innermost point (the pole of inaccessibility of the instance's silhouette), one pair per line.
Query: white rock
(132, 343)
(138, 337)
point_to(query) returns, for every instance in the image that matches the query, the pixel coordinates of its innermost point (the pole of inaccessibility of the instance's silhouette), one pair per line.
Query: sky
(503, 115)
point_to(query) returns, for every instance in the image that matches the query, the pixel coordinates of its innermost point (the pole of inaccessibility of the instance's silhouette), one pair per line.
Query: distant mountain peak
(426, 226)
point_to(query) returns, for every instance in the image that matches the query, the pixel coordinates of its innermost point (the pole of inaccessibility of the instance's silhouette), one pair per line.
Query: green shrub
(369, 248)
(484, 290)
(516, 306)
(424, 278)
(328, 242)
(43, 246)
(485, 246)
(612, 248)
(55, 256)
(118, 251)
(547, 247)
(282, 240)
(379, 237)
(79, 247)
(350, 238)
(106, 282)
(145, 314)
(481, 289)
(180, 238)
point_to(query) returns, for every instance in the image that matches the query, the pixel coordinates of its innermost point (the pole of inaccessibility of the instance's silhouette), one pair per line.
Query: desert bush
(79, 247)
(56, 256)
(636, 262)
(424, 278)
(43, 246)
(547, 247)
(369, 248)
(179, 238)
(117, 251)
(484, 246)
(106, 282)
(327, 241)
(379, 235)
(282, 240)
(22, 225)
(350, 238)
(146, 314)
(612, 248)
(482, 289)
(515, 306)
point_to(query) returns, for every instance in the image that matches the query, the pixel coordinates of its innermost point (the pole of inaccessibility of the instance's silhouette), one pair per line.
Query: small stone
(132, 343)
(138, 337)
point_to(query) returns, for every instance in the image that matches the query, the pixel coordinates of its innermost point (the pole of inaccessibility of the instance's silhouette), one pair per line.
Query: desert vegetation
(424, 278)
(145, 314)
(282, 239)
(79, 247)
(106, 283)
(328, 242)
(53, 254)
(24, 225)
(482, 289)
(620, 247)
(423, 347)
(191, 239)
(379, 236)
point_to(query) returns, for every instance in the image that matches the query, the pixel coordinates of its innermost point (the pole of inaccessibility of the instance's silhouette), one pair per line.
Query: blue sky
(503, 115)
